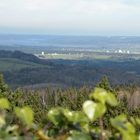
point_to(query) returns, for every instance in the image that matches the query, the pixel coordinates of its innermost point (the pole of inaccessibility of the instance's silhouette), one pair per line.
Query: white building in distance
(120, 51)
(43, 53)
(128, 52)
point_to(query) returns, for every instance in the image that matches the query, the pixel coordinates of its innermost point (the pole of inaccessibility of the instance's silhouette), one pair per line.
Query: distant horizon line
(67, 35)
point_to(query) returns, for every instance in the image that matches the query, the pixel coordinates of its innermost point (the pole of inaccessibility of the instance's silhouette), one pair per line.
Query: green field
(10, 64)
(87, 56)
(76, 56)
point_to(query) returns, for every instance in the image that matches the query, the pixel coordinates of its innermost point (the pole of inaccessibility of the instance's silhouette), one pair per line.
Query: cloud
(74, 16)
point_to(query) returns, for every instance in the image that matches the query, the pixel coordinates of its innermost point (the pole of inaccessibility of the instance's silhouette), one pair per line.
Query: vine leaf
(93, 110)
(4, 103)
(25, 114)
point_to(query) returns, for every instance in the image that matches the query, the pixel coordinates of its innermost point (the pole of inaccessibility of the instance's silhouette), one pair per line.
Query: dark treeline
(42, 100)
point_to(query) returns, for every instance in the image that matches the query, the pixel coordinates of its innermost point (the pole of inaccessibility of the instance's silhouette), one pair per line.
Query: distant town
(87, 53)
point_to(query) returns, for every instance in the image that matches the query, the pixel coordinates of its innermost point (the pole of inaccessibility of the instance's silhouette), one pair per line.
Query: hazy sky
(83, 17)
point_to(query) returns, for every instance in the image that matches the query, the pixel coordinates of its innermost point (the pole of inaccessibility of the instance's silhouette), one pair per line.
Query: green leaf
(13, 129)
(2, 121)
(135, 121)
(25, 114)
(99, 94)
(56, 116)
(111, 99)
(119, 122)
(93, 110)
(124, 127)
(4, 103)
(104, 96)
(138, 121)
(75, 116)
(127, 136)
(79, 136)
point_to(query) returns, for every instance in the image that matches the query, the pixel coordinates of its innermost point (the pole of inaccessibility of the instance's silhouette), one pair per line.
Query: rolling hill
(21, 69)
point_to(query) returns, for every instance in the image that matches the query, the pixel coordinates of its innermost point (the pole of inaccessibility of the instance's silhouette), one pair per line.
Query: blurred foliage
(64, 124)
(70, 114)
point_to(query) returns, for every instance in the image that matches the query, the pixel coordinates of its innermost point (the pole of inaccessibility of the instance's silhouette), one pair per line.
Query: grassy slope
(8, 64)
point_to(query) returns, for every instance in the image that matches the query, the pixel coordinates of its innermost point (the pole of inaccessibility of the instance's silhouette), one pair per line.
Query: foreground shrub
(64, 124)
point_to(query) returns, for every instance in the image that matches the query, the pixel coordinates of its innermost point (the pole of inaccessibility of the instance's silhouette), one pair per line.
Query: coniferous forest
(97, 113)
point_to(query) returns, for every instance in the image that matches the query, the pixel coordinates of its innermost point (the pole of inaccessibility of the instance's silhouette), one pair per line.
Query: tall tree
(104, 83)
(3, 86)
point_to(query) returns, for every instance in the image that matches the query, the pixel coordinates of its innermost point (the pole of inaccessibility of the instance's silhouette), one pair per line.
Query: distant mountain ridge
(21, 69)
(44, 40)
(21, 56)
